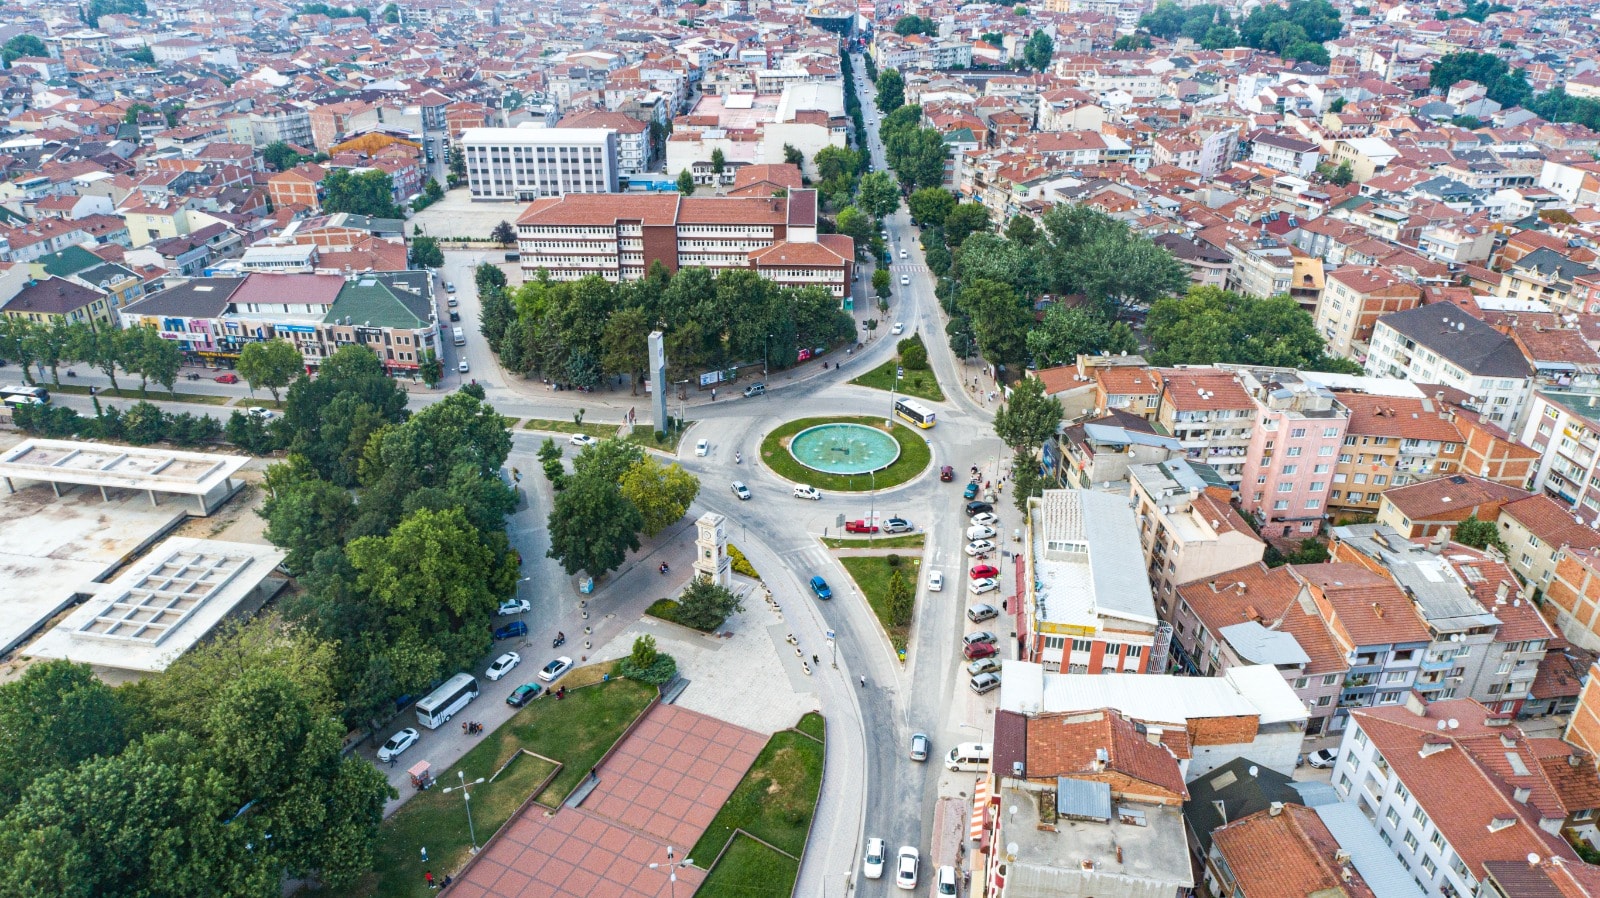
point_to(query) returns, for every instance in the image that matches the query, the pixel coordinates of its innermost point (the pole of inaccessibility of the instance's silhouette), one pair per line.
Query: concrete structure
(523, 164)
(1285, 153)
(1536, 531)
(1098, 454)
(753, 129)
(1432, 506)
(711, 559)
(1564, 427)
(163, 605)
(1087, 605)
(209, 478)
(1188, 528)
(1288, 466)
(633, 137)
(55, 299)
(1441, 344)
(1208, 411)
(1573, 597)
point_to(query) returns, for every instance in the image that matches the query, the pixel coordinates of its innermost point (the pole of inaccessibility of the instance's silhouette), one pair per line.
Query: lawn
(914, 457)
(550, 425)
(903, 541)
(921, 384)
(576, 732)
(775, 799)
(647, 436)
(155, 394)
(871, 573)
(814, 724)
(750, 869)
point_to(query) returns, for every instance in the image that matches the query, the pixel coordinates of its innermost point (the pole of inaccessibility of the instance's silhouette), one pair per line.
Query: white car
(905, 280)
(513, 606)
(398, 743)
(987, 584)
(256, 411)
(979, 531)
(945, 881)
(740, 490)
(935, 581)
(872, 864)
(503, 665)
(987, 519)
(898, 329)
(979, 547)
(905, 868)
(807, 492)
(582, 439)
(463, 367)
(555, 669)
(702, 448)
(902, 254)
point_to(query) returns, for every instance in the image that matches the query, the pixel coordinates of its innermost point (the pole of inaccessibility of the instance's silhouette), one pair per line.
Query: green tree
(793, 156)
(1479, 534)
(1067, 333)
(878, 194)
(1337, 106)
(54, 717)
(1038, 51)
(891, 90)
(881, 283)
(1026, 480)
(102, 346)
(279, 155)
(661, 493)
(328, 418)
(22, 45)
(964, 219)
(1021, 231)
(855, 224)
(1210, 325)
(19, 343)
(271, 365)
(1028, 417)
(918, 156)
(147, 354)
(718, 161)
(503, 234)
(593, 526)
(685, 183)
(1128, 42)
(53, 342)
(704, 605)
(433, 191)
(250, 433)
(369, 193)
(646, 664)
(930, 206)
(488, 276)
(304, 513)
(1000, 320)
(901, 599)
(915, 25)
(457, 160)
(425, 253)
(1306, 51)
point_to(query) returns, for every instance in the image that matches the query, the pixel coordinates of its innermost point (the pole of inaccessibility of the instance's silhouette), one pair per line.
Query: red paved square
(661, 787)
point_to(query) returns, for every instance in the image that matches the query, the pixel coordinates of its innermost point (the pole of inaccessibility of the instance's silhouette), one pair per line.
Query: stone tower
(711, 550)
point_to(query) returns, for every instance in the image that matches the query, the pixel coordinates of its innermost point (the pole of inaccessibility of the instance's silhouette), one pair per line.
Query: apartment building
(1564, 428)
(299, 186)
(1254, 614)
(633, 137)
(1210, 413)
(1188, 529)
(1285, 153)
(1442, 344)
(1288, 467)
(1391, 441)
(1098, 454)
(1264, 270)
(1545, 276)
(59, 299)
(1573, 597)
(1536, 530)
(620, 236)
(1289, 851)
(1455, 791)
(1487, 639)
(1086, 606)
(524, 164)
(1429, 507)
(1353, 301)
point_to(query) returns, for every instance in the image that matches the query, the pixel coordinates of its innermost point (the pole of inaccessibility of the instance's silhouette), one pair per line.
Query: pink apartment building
(1293, 451)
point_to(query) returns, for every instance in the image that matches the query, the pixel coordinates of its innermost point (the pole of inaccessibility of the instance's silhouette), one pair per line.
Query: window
(1429, 865)
(1298, 432)
(1081, 645)
(1319, 469)
(1318, 486)
(1329, 680)
(1300, 682)
(1329, 433)
(1286, 487)
(1290, 469)
(1292, 452)
(1437, 839)
(1393, 816)
(1281, 505)
(1420, 816)
(1410, 840)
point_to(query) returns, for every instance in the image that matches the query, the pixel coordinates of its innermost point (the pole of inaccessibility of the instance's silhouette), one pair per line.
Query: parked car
(905, 867)
(987, 519)
(971, 491)
(980, 636)
(872, 863)
(985, 584)
(979, 531)
(555, 669)
(897, 525)
(980, 650)
(256, 411)
(740, 490)
(983, 665)
(755, 390)
(454, 315)
(935, 581)
(582, 439)
(451, 302)
(919, 746)
(503, 665)
(702, 448)
(980, 547)
(511, 631)
(1322, 758)
(398, 743)
(807, 492)
(513, 606)
(820, 587)
(980, 571)
(449, 287)
(523, 694)
(945, 880)
(229, 378)
(975, 508)
(982, 612)
(947, 473)
(984, 682)
(861, 526)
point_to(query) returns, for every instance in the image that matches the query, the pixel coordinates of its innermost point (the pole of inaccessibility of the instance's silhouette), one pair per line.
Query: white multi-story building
(1285, 153)
(527, 163)
(633, 137)
(1441, 344)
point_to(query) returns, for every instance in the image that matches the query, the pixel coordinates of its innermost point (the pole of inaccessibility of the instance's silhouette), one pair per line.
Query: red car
(979, 650)
(947, 473)
(980, 571)
(227, 378)
(862, 526)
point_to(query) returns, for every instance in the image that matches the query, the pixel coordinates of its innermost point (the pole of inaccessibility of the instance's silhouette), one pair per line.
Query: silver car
(980, 613)
(919, 747)
(985, 682)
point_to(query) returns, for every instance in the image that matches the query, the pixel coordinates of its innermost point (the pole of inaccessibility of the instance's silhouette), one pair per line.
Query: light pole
(672, 870)
(872, 507)
(766, 340)
(466, 797)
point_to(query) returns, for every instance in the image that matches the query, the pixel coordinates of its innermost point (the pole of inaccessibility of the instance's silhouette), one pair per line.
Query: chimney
(1521, 794)
(1416, 704)
(1275, 808)
(1377, 608)
(1501, 591)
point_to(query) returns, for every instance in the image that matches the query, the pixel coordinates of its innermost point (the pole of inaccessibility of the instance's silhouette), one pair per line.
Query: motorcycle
(559, 641)
(738, 459)
(663, 569)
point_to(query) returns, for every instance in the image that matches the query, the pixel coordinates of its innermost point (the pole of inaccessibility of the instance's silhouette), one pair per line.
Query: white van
(969, 756)
(459, 335)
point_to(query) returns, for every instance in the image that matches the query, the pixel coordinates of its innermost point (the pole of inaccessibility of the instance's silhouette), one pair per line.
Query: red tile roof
(1367, 608)
(1066, 745)
(1453, 498)
(1397, 416)
(1289, 854)
(1269, 598)
(1549, 521)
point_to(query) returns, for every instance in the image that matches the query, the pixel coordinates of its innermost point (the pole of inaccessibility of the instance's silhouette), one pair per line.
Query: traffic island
(912, 458)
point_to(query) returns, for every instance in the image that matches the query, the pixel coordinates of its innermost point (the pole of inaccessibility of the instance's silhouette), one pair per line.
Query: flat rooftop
(1149, 839)
(120, 467)
(162, 605)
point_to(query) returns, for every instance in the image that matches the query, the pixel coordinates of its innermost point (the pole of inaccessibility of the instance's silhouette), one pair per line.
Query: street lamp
(764, 341)
(466, 797)
(672, 870)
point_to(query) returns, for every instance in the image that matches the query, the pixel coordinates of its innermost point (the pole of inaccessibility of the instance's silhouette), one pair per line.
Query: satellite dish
(1533, 859)
(1455, 724)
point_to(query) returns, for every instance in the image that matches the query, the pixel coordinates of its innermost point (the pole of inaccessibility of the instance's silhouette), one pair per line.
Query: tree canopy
(916, 25)
(368, 193)
(1210, 325)
(891, 91)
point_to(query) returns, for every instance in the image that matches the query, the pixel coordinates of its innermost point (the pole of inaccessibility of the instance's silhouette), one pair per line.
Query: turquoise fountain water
(844, 448)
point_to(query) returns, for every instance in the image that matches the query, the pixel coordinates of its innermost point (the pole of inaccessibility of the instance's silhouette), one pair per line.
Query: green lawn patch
(813, 724)
(599, 431)
(667, 441)
(903, 541)
(576, 732)
(775, 799)
(914, 456)
(750, 869)
(921, 384)
(667, 610)
(871, 573)
(156, 394)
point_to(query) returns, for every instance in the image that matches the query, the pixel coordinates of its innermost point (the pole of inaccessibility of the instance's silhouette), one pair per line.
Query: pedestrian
(424, 854)
(428, 877)
(713, 394)
(814, 660)
(863, 679)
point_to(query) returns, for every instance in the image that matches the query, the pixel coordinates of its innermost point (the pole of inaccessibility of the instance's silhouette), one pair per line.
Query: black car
(454, 315)
(978, 508)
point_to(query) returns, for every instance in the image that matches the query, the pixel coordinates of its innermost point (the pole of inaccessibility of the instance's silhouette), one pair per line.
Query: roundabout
(846, 454)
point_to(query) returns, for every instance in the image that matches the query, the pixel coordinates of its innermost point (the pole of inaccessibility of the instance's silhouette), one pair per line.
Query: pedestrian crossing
(907, 268)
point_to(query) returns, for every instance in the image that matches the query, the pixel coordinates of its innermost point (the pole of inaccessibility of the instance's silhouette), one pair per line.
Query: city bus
(914, 412)
(441, 704)
(17, 396)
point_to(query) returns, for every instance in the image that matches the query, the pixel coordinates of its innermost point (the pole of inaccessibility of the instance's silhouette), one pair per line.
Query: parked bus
(441, 704)
(18, 396)
(914, 412)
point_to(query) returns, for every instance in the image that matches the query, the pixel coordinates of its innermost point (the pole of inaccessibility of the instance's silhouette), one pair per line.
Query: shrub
(892, 560)
(741, 564)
